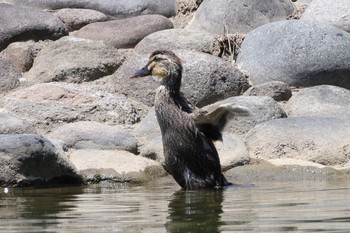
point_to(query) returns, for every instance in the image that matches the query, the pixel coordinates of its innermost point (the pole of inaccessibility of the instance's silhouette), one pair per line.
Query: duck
(188, 132)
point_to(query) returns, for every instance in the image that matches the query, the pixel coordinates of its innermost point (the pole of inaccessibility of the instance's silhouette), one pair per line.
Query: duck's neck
(173, 82)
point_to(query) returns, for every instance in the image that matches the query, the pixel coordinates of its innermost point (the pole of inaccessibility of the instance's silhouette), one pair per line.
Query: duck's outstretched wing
(212, 119)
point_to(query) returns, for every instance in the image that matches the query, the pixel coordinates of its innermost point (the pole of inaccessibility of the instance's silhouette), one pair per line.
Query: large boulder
(302, 2)
(232, 151)
(21, 54)
(74, 60)
(321, 100)
(114, 166)
(10, 124)
(94, 135)
(317, 139)
(124, 33)
(75, 19)
(286, 170)
(30, 159)
(279, 91)
(222, 16)
(52, 104)
(173, 39)
(9, 75)
(297, 52)
(334, 12)
(205, 80)
(261, 109)
(26, 23)
(119, 8)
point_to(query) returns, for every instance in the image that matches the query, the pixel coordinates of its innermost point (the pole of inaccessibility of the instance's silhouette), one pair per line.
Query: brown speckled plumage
(190, 155)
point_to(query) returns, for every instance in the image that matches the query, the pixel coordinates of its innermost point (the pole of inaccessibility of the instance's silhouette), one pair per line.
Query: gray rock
(10, 124)
(302, 2)
(269, 174)
(74, 60)
(124, 33)
(148, 134)
(206, 79)
(9, 76)
(232, 150)
(334, 12)
(75, 19)
(119, 8)
(52, 104)
(297, 52)
(316, 139)
(321, 100)
(29, 159)
(94, 135)
(279, 91)
(173, 39)
(27, 23)
(261, 108)
(185, 12)
(149, 138)
(223, 17)
(295, 162)
(115, 166)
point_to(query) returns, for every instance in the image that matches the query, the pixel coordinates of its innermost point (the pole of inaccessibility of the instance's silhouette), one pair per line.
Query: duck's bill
(141, 73)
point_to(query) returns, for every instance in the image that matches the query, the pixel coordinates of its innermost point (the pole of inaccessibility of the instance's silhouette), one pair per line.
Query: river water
(303, 206)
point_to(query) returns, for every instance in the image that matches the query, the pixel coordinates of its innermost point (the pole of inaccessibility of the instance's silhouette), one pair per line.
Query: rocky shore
(70, 115)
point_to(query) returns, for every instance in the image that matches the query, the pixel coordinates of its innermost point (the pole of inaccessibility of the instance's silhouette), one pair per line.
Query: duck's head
(166, 66)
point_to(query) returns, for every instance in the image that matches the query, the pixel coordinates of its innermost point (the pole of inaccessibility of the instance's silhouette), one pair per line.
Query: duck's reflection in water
(195, 211)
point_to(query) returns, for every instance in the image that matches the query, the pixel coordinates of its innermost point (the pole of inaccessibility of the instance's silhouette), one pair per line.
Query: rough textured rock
(21, 54)
(116, 166)
(279, 91)
(118, 8)
(317, 139)
(124, 33)
(52, 104)
(205, 80)
(232, 150)
(261, 108)
(297, 52)
(321, 100)
(75, 19)
(29, 159)
(223, 17)
(173, 39)
(302, 2)
(294, 162)
(268, 173)
(26, 23)
(334, 12)
(94, 135)
(9, 76)
(149, 136)
(185, 12)
(74, 60)
(10, 124)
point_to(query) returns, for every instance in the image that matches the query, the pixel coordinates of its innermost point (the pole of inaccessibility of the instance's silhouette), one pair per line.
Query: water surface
(308, 206)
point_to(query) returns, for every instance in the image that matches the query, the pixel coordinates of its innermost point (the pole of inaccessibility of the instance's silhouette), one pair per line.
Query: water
(308, 206)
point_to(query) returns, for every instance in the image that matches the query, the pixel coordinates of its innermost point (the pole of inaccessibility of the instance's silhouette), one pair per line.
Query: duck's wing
(218, 115)
(212, 119)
